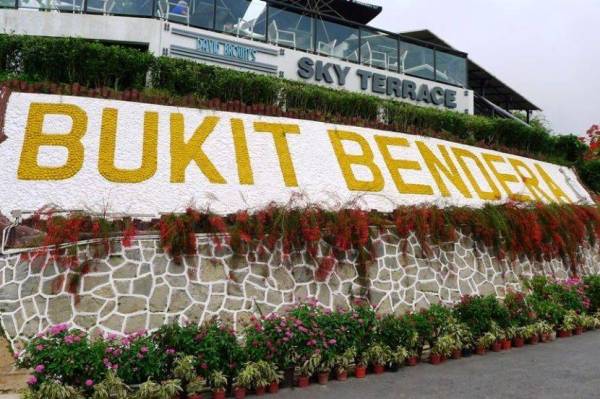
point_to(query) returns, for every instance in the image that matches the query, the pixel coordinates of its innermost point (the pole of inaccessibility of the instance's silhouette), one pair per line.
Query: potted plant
(271, 374)
(568, 324)
(530, 334)
(218, 383)
(111, 387)
(343, 363)
(462, 336)
(484, 342)
(519, 337)
(378, 355)
(507, 337)
(195, 387)
(325, 369)
(544, 330)
(152, 390)
(360, 370)
(245, 380)
(411, 343)
(308, 368)
(397, 358)
(499, 334)
(443, 347)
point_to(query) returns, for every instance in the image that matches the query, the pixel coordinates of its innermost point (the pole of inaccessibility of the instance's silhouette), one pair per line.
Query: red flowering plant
(520, 311)
(592, 138)
(68, 356)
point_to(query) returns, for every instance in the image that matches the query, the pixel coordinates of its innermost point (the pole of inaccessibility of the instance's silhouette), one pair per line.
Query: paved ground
(565, 368)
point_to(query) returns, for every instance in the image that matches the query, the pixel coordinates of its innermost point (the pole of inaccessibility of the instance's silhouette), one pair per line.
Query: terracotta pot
(194, 396)
(411, 361)
(457, 354)
(506, 344)
(395, 367)
(360, 371)
(480, 350)
(378, 368)
(274, 387)
(533, 340)
(578, 330)
(496, 346)
(323, 378)
(518, 342)
(219, 394)
(239, 393)
(435, 358)
(563, 333)
(342, 375)
(303, 381)
(467, 352)
(443, 359)
(260, 391)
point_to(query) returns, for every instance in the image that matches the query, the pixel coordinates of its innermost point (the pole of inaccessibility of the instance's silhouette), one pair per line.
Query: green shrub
(590, 174)
(479, 313)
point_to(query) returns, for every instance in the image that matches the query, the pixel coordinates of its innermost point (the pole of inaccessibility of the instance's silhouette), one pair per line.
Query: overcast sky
(547, 50)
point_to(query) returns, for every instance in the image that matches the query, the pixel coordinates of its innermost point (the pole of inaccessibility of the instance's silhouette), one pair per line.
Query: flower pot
(394, 368)
(274, 387)
(260, 391)
(480, 350)
(303, 381)
(496, 346)
(456, 354)
(564, 333)
(239, 393)
(360, 371)
(219, 394)
(342, 375)
(378, 368)
(506, 344)
(443, 359)
(578, 330)
(518, 342)
(411, 361)
(467, 352)
(194, 396)
(435, 358)
(323, 378)
(533, 340)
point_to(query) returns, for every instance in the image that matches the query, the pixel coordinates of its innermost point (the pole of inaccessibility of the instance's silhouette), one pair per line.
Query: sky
(546, 50)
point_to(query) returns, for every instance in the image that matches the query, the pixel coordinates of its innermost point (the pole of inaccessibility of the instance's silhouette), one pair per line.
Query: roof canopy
(481, 81)
(350, 10)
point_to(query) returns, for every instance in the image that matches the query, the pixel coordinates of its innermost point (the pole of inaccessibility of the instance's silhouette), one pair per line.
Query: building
(325, 42)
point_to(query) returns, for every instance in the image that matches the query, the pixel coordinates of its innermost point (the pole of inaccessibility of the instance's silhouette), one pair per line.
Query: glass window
(143, 8)
(243, 18)
(290, 29)
(337, 40)
(416, 60)
(61, 5)
(450, 68)
(7, 3)
(199, 13)
(378, 50)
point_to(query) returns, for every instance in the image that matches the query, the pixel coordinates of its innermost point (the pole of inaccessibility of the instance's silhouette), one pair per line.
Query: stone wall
(141, 287)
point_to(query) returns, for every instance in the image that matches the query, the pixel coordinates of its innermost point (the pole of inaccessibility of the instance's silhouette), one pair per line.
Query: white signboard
(85, 153)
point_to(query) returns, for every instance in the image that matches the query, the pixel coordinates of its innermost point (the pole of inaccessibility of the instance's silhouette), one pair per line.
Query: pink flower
(39, 347)
(32, 380)
(40, 368)
(332, 341)
(89, 383)
(144, 349)
(69, 339)
(170, 352)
